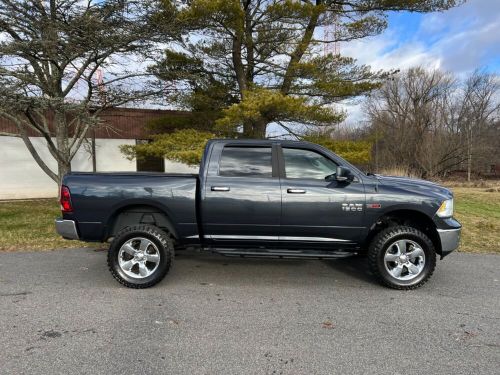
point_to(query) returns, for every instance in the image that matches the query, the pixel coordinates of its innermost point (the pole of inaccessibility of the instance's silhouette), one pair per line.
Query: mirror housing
(344, 174)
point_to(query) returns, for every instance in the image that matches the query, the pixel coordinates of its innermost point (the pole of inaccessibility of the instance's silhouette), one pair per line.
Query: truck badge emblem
(352, 207)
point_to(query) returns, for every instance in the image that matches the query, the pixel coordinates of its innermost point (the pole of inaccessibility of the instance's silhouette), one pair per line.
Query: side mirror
(344, 174)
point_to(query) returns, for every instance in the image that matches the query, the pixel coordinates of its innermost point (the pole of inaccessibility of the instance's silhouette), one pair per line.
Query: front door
(316, 211)
(242, 199)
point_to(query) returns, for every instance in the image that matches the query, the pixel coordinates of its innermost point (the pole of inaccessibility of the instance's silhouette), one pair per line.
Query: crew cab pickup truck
(262, 198)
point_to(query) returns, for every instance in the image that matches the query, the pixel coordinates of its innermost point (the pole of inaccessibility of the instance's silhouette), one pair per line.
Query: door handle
(295, 191)
(220, 188)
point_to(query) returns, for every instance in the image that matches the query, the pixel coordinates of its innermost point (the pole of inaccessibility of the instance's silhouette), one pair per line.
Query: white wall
(21, 177)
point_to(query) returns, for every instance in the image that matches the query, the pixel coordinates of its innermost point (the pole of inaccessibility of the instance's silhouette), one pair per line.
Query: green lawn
(29, 225)
(479, 212)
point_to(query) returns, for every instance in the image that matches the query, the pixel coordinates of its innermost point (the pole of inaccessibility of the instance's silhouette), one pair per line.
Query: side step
(277, 253)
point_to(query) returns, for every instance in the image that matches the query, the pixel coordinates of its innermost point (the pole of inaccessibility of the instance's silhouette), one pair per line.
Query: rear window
(246, 162)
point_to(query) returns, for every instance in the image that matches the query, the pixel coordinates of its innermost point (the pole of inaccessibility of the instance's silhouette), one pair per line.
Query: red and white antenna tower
(100, 84)
(330, 35)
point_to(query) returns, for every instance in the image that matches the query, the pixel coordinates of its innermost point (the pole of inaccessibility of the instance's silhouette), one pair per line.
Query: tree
(355, 151)
(408, 112)
(51, 54)
(187, 146)
(478, 106)
(428, 122)
(267, 57)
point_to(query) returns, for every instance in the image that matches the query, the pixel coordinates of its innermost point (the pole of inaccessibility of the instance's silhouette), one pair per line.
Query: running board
(289, 254)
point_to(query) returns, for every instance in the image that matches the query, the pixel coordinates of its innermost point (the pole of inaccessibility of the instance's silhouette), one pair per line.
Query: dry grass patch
(478, 209)
(29, 225)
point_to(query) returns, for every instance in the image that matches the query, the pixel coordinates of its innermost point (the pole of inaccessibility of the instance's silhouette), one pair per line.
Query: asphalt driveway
(61, 312)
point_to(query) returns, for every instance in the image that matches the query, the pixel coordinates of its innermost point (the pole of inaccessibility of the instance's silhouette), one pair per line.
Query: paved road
(61, 312)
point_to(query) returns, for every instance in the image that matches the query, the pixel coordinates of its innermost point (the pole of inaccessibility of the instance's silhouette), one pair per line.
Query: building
(21, 177)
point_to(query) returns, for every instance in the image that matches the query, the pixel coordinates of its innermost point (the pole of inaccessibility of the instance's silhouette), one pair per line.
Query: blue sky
(458, 40)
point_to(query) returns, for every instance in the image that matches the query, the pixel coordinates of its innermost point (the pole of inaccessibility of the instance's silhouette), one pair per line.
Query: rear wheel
(140, 256)
(402, 257)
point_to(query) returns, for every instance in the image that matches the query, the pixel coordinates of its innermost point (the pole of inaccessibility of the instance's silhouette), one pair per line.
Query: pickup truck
(262, 198)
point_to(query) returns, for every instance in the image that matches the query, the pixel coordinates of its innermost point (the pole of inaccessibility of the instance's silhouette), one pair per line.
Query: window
(149, 163)
(246, 161)
(307, 164)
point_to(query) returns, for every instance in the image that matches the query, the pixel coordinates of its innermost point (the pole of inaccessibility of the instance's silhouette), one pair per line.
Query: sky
(458, 40)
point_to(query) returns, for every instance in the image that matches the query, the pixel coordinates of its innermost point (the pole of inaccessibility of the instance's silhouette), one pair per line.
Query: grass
(478, 209)
(29, 225)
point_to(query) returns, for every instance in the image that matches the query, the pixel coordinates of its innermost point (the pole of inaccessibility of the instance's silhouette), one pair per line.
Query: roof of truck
(259, 141)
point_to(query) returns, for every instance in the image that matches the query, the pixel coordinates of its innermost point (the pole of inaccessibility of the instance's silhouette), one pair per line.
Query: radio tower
(330, 34)
(100, 85)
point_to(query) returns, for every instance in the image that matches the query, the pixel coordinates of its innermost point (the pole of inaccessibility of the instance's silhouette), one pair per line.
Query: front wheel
(402, 257)
(140, 256)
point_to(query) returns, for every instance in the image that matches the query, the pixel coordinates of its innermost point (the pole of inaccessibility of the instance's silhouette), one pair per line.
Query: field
(29, 225)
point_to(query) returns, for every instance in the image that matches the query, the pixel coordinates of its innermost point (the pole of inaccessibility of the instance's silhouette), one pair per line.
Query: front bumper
(67, 229)
(450, 239)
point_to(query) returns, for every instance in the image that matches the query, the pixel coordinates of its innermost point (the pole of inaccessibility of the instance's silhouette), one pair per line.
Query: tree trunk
(255, 129)
(62, 134)
(469, 162)
(469, 153)
(260, 128)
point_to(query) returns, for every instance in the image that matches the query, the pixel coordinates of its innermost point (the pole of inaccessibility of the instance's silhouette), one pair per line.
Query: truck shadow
(228, 270)
(355, 267)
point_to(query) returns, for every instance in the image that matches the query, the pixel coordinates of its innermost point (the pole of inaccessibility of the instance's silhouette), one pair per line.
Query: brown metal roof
(120, 123)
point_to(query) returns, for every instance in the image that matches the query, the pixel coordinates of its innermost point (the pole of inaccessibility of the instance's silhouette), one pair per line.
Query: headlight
(446, 209)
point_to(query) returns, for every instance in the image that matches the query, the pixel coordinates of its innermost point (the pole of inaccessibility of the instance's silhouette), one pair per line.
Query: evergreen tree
(257, 62)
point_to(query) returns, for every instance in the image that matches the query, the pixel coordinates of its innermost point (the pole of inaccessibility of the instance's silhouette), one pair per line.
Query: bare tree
(411, 112)
(51, 55)
(478, 106)
(429, 122)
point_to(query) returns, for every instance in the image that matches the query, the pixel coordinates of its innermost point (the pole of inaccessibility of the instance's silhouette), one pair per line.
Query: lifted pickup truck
(262, 198)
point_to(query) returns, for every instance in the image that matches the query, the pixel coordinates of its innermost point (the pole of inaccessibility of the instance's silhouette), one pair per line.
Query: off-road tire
(161, 239)
(379, 245)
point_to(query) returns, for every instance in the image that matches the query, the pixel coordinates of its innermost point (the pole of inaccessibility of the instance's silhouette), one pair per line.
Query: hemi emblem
(373, 205)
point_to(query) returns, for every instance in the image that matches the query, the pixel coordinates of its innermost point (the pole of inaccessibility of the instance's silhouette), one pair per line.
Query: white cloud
(458, 40)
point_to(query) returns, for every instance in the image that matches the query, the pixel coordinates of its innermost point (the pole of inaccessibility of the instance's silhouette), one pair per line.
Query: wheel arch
(410, 217)
(139, 213)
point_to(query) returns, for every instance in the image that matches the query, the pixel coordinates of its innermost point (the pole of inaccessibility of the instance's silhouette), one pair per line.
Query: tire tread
(381, 239)
(164, 238)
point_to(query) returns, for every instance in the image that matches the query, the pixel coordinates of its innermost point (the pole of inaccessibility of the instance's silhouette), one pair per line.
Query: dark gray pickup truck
(262, 198)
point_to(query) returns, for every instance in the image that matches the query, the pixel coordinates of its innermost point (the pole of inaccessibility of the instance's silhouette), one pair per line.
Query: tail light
(65, 200)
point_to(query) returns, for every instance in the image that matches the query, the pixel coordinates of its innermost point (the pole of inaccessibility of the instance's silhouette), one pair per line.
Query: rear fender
(133, 214)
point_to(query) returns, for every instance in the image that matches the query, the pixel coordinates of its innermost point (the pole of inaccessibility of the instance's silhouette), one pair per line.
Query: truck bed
(98, 199)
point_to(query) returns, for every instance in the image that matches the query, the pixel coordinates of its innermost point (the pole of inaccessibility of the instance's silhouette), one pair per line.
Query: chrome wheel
(404, 259)
(139, 257)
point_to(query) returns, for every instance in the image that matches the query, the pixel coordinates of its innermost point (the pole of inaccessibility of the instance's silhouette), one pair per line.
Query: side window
(307, 164)
(246, 161)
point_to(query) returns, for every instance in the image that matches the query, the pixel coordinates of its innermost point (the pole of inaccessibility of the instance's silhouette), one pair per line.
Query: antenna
(330, 35)
(100, 85)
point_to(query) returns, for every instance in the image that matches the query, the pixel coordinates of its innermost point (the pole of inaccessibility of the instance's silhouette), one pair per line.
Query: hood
(415, 185)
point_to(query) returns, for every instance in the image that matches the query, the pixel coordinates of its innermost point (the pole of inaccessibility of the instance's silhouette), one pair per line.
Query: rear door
(242, 195)
(316, 211)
